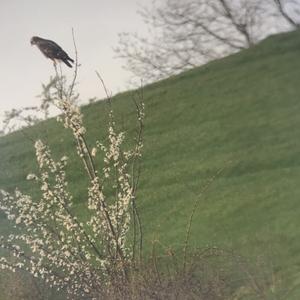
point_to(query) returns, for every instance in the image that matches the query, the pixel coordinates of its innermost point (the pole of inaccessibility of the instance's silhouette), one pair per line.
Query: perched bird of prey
(51, 50)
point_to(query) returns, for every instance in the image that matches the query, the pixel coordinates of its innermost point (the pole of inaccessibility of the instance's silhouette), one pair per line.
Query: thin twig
(108, 96)
(76, 66)
(196, 203)
(136, 177)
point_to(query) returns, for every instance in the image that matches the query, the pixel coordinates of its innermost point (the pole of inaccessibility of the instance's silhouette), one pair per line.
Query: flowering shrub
(52, 243)
(98, 258)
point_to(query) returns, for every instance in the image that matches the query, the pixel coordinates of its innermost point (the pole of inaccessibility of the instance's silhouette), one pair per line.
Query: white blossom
(56, 245)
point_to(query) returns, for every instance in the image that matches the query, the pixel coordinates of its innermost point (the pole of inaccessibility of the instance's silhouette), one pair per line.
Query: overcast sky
(96, 24)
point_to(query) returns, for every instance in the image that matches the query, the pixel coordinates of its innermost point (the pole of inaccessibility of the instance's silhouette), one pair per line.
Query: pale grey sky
(96, 24)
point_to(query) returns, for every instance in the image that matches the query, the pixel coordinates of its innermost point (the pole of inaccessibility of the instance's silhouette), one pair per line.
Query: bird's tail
(67, 63)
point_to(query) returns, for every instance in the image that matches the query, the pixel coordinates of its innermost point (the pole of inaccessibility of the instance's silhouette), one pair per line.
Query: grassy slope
(244, 109)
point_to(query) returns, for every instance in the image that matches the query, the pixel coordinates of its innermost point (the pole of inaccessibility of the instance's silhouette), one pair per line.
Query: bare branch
(185, 34)
(281, 8)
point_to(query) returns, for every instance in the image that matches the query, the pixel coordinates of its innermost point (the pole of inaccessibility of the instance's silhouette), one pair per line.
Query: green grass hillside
(242, 113)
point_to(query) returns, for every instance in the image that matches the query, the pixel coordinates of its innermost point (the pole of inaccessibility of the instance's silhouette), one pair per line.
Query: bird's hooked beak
(32, 41)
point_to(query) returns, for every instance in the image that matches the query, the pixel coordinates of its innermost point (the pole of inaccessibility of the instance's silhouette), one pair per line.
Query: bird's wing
(48, 49)
(51, 50)
(52, 44)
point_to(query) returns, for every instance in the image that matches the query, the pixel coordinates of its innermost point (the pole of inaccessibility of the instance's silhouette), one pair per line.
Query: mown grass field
(241, 113)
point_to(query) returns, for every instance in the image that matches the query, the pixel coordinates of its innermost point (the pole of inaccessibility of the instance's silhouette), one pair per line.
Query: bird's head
(34, 40)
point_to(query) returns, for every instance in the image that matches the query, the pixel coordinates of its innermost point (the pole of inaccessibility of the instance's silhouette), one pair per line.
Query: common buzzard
(51, 50)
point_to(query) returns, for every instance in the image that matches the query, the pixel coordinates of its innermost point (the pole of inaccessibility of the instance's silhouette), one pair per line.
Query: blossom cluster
(72, 117)
(115, 174)
(57, 246)
(50, 241)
